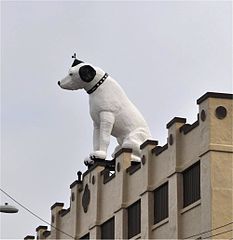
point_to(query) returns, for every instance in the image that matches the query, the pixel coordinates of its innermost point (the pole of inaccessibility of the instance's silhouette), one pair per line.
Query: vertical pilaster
(123, 161)
(174, 203)
(74, 205)
(120, 224)
(95, 232)
(147, 203)
(96, 191)
(147, 207)
(55, 220)
(174, 163)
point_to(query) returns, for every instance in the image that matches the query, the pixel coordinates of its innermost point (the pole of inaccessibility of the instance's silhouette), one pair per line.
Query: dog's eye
(71, 74)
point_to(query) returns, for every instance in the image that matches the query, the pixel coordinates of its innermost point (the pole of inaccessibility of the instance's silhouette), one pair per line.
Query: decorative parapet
(40, 231)
(148, 143)
(56, 206)
(214, 95)
(176, 120)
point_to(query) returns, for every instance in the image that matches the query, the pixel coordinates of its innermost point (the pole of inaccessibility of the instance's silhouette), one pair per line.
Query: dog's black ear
(76, 62)
(87, 73)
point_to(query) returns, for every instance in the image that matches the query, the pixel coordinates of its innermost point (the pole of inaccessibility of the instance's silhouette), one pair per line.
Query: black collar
(98, 84)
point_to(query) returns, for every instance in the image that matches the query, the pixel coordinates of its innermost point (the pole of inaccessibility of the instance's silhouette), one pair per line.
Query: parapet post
(174, 149)
(55, 219)
(174, 143)
(40, 232)
(147, 195)
(215, 110)
(91, 198)
(123, 161)
(146, 162)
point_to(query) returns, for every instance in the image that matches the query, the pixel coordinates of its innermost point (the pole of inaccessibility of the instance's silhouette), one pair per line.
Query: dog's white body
(112, 114)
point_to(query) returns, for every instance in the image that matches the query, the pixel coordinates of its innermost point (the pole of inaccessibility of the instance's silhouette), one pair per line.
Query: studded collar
(98, 84)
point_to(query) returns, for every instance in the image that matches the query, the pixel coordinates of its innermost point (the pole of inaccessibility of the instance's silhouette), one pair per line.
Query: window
(191, 184)
(87, 236)
(134, 219)
(161, 203)
(107, 229)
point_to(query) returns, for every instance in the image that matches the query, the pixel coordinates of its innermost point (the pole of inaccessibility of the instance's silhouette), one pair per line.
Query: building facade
(180, 190)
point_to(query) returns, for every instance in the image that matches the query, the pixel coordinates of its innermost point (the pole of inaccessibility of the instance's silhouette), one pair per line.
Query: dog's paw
(88, 161)
(98, 154)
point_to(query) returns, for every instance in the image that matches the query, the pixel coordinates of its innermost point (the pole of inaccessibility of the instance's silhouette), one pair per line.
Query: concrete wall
(208, 140)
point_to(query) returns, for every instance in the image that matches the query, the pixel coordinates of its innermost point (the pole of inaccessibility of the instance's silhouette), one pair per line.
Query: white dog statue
(110, 109)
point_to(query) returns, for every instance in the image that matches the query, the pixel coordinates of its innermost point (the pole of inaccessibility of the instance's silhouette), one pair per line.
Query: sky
(164, 54)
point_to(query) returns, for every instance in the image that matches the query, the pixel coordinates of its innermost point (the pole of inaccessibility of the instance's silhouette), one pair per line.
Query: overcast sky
(165, 55)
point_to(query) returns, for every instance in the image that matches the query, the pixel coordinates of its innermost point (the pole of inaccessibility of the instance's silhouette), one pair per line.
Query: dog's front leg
(105, 128)
(96, 136)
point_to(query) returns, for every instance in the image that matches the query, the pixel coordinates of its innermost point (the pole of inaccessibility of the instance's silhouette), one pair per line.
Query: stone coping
(123, 150)
(214, 95)
(57, 204)
(176, 120)
(41, 228)
(158, 149)
(133, 168)
(149, 142)
(186, 128)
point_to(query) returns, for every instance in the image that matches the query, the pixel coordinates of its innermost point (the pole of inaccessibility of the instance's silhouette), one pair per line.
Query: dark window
(134, 219)
(191, 184)
(87, 236)
(161, 203)
(107, 229)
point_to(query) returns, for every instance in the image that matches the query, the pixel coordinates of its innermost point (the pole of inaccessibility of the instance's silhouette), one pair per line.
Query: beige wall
(209, 142)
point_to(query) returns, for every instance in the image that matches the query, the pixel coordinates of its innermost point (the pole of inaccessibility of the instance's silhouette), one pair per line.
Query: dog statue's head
(81, 75)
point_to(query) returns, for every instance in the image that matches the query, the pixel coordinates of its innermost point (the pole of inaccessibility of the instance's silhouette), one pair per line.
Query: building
(180, 190)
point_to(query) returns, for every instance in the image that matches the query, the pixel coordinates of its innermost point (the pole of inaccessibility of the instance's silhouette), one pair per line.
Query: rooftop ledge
(214, 95)
(41, 228)
(176, 120)
(57, 204)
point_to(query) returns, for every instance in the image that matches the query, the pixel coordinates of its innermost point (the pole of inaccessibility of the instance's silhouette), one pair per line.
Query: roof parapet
(57, 204)
(123, 150)
(149, 142)
(176, 120)
(214, 95)
(41, 228)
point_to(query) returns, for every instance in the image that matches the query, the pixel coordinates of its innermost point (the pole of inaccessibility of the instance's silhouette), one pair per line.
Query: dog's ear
(87, 73)
(76, 62)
